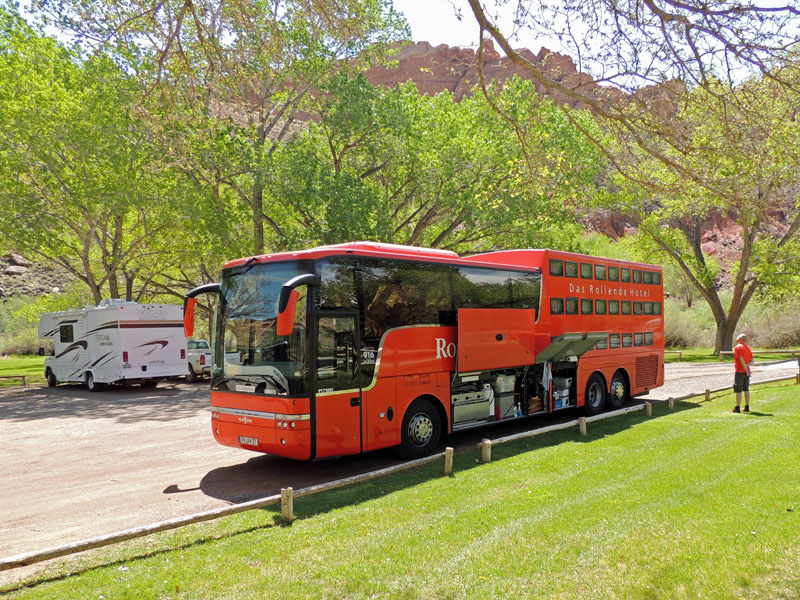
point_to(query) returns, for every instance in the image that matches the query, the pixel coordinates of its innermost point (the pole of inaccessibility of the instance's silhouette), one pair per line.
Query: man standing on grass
(742, 357)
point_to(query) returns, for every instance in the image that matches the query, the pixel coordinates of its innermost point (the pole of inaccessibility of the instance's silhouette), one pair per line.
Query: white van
(115, 342)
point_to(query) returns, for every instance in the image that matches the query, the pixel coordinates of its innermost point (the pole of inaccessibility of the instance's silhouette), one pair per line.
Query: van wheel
(191, 377)
(595, 398)
(618, 394)
(51, 378)
(91, 384)
(420, 430)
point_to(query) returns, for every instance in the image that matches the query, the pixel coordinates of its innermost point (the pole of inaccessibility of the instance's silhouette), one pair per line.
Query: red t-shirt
(742, 350)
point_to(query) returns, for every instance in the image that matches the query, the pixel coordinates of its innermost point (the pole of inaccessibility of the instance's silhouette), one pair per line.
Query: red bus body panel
(495, 338)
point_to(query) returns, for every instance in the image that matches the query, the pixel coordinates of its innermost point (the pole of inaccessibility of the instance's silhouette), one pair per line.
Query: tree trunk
(258, 220)
(725, 330)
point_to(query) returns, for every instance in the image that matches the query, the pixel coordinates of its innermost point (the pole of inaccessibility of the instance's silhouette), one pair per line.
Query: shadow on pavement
(125, 404)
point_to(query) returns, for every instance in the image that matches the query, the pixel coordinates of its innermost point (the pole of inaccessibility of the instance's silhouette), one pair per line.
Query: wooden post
(448, 461)
(671, 403)
(798, 379)
(708, 395)
(648, 409)
(287, 505)
(582, 425)
(486, 451)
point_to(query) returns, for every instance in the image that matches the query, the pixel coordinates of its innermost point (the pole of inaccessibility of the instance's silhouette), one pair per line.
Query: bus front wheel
(421, 429)
(51, 378)
(595, 399)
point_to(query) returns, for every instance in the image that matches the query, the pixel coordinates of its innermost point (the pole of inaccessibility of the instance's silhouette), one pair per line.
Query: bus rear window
(571, 306)
(571, 269)
(600, 272)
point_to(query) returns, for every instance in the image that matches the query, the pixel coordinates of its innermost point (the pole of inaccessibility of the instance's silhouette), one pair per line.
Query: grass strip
(697, 502)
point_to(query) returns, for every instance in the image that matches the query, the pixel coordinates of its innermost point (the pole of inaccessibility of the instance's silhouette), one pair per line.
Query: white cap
(740, 336)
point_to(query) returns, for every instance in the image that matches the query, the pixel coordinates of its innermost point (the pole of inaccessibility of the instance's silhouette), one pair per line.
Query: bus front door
(338, 396)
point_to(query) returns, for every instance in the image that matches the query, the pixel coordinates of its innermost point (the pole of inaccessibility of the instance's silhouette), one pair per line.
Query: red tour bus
(354, 347)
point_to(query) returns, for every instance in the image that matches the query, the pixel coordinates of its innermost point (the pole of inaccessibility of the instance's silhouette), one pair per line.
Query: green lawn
(705, 355)
(31, 366)
(695, 503)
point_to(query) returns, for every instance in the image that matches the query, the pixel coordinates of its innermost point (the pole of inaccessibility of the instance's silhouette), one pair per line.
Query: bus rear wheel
(595, 399)
(421, 429)
(618, 393)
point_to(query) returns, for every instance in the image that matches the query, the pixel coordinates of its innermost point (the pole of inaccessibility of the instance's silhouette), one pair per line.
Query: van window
(66, 334)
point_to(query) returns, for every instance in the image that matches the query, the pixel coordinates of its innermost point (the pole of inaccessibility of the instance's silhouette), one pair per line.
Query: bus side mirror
(287, 302)
(286, 317)
(188, 316)
(190, 302)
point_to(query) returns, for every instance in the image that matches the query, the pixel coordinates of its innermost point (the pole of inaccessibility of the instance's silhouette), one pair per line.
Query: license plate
(248, 441)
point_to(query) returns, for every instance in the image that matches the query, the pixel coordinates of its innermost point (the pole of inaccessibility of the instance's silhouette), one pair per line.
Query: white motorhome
(115, 342)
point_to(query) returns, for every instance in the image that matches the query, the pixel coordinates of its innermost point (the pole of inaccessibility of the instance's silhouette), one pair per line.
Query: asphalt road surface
(77, 465)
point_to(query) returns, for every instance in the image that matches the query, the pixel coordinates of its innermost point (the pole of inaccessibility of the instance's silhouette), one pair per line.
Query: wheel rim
(595, 394)
(420, 429)
(618, 390)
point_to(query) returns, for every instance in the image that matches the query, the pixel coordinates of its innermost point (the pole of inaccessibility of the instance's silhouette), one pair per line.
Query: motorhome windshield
(249, 355)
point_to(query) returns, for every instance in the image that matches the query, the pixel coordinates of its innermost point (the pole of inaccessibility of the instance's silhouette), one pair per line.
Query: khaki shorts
(741, 383)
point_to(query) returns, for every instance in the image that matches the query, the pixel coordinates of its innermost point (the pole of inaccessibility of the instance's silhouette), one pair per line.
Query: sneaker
(736, 409)
(746, 408)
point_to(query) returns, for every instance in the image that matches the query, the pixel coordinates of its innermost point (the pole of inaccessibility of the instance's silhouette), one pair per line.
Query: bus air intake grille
(646, 371)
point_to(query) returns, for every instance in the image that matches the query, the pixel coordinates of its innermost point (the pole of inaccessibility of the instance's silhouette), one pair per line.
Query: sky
(435, 21)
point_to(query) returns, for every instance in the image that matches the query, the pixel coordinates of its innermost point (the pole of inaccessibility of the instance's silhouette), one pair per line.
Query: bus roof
(532, 259)
(375, 249)
(536, 257)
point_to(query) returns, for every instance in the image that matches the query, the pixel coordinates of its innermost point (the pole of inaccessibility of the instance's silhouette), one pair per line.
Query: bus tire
(51, 378)
(618, 392)
(191, 376)
(595, 399)
(420, 430)
(91, 384)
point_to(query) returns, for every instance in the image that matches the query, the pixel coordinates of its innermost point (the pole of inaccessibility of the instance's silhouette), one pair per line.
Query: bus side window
(626, 276)
(586, 271)
(613, 273)
(556, 267)
(571, 306)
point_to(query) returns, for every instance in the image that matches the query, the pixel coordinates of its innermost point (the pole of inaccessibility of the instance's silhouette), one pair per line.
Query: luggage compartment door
(495, 338)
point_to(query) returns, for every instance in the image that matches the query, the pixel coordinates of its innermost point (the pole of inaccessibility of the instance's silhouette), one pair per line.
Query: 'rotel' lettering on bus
(445, 350)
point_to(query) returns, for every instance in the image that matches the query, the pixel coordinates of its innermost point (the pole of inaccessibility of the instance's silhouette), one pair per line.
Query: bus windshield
(249, 356)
